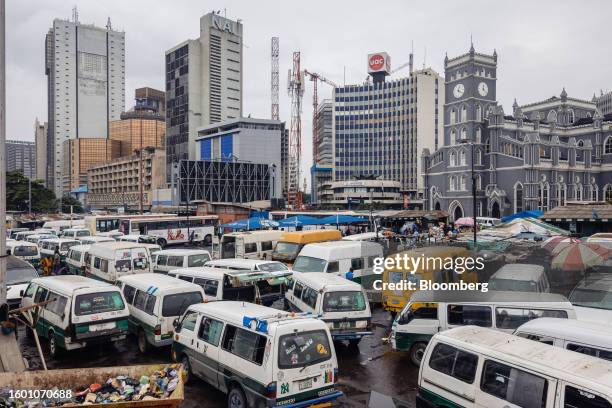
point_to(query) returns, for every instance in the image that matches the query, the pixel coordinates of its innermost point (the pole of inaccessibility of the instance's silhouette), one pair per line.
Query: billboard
(379, 62)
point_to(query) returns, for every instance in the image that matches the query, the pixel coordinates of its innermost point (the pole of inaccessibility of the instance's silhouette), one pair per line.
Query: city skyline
(527, 71)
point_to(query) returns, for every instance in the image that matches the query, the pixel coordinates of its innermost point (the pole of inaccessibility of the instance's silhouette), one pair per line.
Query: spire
(597, 114)
(494, 54)
(515, 104)
(445, 58)
(108, 24)
(471, 45)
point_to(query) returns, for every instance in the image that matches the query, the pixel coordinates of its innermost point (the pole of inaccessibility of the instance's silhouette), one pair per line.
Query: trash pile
(158, 385)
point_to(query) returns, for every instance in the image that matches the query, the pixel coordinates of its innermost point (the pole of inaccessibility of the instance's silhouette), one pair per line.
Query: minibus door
(207, 346)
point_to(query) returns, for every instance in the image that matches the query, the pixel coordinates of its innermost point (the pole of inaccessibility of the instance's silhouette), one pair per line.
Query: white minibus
(110, 260)
(258, 356)
(249, 244)
(168, 259)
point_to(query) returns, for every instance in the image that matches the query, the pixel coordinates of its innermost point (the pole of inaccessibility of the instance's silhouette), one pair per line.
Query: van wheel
(162, 242)
(236, 398)
(186, 369)
(53, 348)
(416, 353)
(143, 344)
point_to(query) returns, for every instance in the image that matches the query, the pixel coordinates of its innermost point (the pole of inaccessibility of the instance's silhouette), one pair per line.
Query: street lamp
(471, 143)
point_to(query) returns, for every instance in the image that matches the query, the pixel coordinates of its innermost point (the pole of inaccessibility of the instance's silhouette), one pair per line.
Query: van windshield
(25, 251)
(599, 299)
(303, 349)
(66, 245)
(309, 264)
(16, 276)
(288, 249)
(197, 260)
(99, 302)
(273, 267)
(513, 285)
(344, 301)
(175, 305)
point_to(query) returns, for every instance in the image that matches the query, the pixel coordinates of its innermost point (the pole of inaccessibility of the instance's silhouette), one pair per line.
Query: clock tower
(470, 94)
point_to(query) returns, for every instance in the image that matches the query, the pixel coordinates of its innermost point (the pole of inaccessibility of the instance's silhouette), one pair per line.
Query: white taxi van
(80, 311)
(77, 259)
(48, 246)
(340, 303)
(478, 367)
(590, 338)
(168, 259)
(110, 260)
(353, 260)
(25, 250)
(258, 356)
(155, 301)
(429, 312)
(229, 284)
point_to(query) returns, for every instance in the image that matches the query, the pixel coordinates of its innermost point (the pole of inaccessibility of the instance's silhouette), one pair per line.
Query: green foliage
(68, 201)
(43, 199)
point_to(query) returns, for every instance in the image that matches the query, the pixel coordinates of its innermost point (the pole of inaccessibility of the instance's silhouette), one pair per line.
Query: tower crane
(315, 78)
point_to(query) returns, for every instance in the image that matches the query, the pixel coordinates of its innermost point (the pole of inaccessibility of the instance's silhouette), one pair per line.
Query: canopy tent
(342, 220)
(252, 223)
(520, 226)
(523, 214)
(299, 221)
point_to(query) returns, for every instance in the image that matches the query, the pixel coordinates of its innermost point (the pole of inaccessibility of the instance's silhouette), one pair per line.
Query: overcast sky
(541, 45)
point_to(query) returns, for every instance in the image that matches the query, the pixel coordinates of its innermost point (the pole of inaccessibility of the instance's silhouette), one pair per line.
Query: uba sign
(379, 62)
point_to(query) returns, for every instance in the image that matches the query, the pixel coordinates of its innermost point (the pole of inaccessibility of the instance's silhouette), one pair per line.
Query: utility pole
(3, 304)
(30, 193)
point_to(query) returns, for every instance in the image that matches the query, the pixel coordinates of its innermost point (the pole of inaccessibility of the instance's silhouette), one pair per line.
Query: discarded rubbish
(124, 386)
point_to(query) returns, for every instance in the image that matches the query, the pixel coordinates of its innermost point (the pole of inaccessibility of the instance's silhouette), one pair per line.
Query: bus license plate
(102, 326)
(344, 325)
(304, 385)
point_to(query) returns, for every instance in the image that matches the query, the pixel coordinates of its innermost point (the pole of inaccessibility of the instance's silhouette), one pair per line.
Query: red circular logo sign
(376, 62)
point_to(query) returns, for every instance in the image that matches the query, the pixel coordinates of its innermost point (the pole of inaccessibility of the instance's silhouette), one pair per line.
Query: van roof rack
(261, 323)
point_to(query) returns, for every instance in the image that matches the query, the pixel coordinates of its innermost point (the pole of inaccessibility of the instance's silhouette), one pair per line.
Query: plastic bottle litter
(157, 385)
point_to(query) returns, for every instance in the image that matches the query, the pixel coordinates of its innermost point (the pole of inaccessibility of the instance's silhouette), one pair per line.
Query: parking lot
(373, 366)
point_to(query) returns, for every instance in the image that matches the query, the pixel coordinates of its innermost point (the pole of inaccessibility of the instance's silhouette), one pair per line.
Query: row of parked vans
(258, 355)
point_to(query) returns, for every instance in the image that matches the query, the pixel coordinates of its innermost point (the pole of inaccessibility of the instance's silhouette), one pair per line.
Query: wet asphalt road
(373, 366)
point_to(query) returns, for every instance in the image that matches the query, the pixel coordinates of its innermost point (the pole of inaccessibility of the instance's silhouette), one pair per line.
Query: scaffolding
(224, 181)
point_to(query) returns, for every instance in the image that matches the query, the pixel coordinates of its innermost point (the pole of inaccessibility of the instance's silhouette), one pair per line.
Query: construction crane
(274, 78)
(315, 78)
(295, 89)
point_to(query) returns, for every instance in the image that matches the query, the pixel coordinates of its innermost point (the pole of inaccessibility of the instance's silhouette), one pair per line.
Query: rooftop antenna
(411, 60)
(75, 14)
(108, 24)
(425, 57)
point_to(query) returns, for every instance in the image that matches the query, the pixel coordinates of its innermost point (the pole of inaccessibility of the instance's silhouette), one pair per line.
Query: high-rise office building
(321, 171)
(40, 140)
(21, 156)
(142, 126)
(83, 153)
(381, 127)
(85, 68)
(203, 84)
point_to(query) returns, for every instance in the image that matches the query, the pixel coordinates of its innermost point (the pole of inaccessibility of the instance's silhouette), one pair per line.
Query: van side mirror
(21, 293)
(177, 325)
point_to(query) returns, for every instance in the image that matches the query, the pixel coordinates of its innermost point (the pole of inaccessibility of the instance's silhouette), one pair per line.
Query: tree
(68, 201)
(43, 199)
